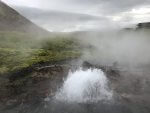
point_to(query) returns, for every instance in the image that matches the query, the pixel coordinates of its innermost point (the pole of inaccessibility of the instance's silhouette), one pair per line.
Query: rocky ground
(26, 91)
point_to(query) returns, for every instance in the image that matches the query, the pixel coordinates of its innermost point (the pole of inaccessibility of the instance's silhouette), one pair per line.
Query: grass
(18, 50)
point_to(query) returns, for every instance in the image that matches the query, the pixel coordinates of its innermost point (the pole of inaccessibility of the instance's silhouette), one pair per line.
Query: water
(87, 91)
(82, 86)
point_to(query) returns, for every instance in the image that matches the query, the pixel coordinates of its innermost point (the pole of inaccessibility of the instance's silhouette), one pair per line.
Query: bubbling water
(81, 86)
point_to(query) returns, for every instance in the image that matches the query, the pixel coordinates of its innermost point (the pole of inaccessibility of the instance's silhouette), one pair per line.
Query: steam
(85, 86)
(126, 48)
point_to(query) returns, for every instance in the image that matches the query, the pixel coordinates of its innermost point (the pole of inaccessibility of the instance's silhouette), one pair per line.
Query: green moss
(19, 51)
(3, 69)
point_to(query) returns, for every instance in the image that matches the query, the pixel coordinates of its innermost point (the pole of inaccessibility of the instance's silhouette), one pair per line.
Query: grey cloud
(59, 20)
(100, 6)
(61, 14)
(111, 6)
(34, 13)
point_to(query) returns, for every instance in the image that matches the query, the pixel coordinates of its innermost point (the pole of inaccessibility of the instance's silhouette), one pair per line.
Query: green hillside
(22, 43)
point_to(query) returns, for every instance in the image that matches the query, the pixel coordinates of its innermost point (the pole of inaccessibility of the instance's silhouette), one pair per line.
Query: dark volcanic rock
(145, 25)
(32, 92)
(33, 84)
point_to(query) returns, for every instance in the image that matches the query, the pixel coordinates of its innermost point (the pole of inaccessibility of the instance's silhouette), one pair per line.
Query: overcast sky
(101, 13)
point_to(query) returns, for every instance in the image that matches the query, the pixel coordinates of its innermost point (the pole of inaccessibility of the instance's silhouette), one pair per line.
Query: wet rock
(112, 72)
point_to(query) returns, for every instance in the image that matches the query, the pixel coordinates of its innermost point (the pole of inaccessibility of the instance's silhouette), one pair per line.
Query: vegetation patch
(18, 50)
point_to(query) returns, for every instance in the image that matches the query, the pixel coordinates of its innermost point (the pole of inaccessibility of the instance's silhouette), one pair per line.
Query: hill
(11, 20)
(145, 25)
(19, 47)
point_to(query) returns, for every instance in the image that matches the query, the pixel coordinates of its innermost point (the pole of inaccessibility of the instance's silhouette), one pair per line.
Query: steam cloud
(126, 48)
(85, 86)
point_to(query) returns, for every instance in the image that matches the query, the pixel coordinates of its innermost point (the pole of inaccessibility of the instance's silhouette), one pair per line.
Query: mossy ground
(18, 50)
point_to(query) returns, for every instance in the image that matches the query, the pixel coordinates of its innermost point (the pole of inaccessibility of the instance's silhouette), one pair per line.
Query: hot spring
(82, 86)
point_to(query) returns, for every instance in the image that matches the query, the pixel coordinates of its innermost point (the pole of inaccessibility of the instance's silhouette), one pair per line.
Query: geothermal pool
(81, 86)
(92, 91)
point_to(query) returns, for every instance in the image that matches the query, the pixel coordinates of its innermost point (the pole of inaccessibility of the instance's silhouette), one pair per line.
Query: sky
(67, 15)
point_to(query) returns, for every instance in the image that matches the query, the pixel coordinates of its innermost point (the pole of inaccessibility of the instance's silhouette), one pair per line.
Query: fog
(124, 47)
(106, 67)
(75, 15)
(109, 42)
(64, 21)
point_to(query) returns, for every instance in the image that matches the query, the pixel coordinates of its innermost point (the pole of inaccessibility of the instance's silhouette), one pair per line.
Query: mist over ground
(124, 47)
(89, 62)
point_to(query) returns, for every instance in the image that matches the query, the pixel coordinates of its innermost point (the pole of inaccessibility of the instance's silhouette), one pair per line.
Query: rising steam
(129, 48)
(85, 86)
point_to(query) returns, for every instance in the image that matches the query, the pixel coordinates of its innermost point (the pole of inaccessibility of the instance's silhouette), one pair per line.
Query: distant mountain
(56, 20)
(145, 25)
(35, 13)
(11, 20)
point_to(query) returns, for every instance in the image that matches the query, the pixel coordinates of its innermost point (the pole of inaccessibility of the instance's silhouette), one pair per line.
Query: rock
(145, 25)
